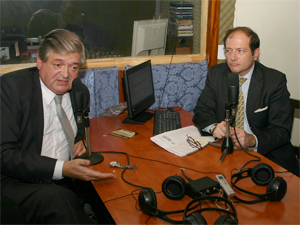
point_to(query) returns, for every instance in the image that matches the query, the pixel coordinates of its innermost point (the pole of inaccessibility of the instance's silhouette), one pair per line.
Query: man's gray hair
(62, 42)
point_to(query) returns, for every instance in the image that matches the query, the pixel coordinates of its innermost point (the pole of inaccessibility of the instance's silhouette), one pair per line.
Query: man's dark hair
(254, 39)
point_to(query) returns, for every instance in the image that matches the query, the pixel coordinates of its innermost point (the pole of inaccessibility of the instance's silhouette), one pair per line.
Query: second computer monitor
(149, 35)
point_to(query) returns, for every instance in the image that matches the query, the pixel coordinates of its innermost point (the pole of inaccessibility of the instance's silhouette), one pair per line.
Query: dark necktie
(65, 123)
(239, 121)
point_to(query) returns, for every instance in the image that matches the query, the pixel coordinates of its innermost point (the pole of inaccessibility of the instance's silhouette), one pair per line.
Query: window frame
(210, 17)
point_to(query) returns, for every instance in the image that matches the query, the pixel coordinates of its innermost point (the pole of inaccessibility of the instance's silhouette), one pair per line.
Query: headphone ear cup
(195, 218)
(276, 189)
(225, 219)
(174, 187)
(262, 174)
(147, 199)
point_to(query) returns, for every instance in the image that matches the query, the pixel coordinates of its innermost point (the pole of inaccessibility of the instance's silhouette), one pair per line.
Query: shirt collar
(48, 95)
(249, 74)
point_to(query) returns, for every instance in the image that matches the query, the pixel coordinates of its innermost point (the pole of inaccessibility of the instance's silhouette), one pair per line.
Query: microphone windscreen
(233, 88)
(233, 79)
(78, 100)
(77, 87)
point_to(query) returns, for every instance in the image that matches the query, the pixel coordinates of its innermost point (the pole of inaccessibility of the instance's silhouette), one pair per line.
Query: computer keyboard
(166, 121)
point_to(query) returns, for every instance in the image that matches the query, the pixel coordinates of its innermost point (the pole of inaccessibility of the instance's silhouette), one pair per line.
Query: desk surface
(116, 194)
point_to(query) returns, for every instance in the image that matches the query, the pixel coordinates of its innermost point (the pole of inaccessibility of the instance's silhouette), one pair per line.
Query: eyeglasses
(193, 143)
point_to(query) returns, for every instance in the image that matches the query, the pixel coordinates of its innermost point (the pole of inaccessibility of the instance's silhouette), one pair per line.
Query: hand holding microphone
(219, 131)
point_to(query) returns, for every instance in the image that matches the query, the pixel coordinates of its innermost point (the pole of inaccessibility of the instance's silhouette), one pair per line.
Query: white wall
(277, 24)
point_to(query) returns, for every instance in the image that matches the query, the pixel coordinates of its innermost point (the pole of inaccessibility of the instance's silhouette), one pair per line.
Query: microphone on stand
(233, 95)
(78, 100)
(227, 144)
(81, 96)
(231, 106)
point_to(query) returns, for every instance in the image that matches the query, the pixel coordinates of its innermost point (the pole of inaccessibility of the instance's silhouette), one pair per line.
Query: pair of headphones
(263, 175)
(174, 187)
(148, 204)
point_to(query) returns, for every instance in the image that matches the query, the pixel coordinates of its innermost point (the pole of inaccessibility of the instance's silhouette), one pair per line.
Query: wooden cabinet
(179, 45)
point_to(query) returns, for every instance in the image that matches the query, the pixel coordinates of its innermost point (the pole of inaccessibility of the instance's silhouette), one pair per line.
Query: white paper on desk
(175, 141)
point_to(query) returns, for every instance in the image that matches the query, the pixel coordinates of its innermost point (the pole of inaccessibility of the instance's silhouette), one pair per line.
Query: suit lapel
(255, 89)
(37, 118)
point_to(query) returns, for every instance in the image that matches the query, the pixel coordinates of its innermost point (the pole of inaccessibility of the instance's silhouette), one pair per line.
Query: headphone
(174, 187)
(148, 205)
(196, 217)
(262, 174)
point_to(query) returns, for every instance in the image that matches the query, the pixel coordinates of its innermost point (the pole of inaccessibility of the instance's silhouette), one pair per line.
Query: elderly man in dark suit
(36, 169)
(267, 122)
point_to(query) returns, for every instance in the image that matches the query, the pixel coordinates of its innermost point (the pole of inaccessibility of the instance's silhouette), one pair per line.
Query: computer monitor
(149, 35)
(138, 92)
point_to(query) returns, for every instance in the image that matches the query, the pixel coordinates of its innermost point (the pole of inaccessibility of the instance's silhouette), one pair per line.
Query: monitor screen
(139, 92)
(149, 35)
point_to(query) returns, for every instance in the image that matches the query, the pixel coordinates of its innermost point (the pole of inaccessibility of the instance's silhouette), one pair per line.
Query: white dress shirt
(54, 143)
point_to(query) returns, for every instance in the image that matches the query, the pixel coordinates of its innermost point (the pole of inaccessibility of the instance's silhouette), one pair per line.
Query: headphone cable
(128, 163)
(258, 158)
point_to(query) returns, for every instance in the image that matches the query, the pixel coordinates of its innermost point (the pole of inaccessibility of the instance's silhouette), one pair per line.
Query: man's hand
(79, 169)
(79, 149)
(246, 140)
(220, 130)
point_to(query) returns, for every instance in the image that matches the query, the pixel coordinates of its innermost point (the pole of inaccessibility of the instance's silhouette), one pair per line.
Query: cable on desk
(258, 158)
(128, 162)
(131, 194)
(154, 160)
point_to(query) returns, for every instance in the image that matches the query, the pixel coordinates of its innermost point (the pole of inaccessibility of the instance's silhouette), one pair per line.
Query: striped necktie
(65, 123)
(239, 121)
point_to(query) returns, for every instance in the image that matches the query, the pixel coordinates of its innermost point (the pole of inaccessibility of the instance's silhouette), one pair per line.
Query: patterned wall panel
(226, 17)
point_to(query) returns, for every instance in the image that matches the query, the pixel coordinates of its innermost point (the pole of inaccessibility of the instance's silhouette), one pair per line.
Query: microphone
(81, 96)
(231, 105)
(78, 99)
(233, 94)
(227, 144)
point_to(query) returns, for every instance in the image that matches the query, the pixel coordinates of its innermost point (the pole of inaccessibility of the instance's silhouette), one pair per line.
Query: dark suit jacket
(22, 124)
(272, 126)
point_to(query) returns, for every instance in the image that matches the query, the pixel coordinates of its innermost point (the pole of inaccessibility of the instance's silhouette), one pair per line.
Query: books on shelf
(181, 33)
(181, 4)
(185, 27)
(185, 35)
(181, 22)
(181, 19)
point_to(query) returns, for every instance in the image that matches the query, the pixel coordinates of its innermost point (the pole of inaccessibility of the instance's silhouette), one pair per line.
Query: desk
(152, 174)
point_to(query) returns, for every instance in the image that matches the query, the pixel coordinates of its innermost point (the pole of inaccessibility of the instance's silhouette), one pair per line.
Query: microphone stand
(95, 158)
(227, 144)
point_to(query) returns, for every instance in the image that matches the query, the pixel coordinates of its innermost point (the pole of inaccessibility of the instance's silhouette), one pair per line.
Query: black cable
(172, 55)
(167, 78)
(135, 185)
(131, 194)
(173, 165)
(189, 179)
(258, 158)
(128, 163)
